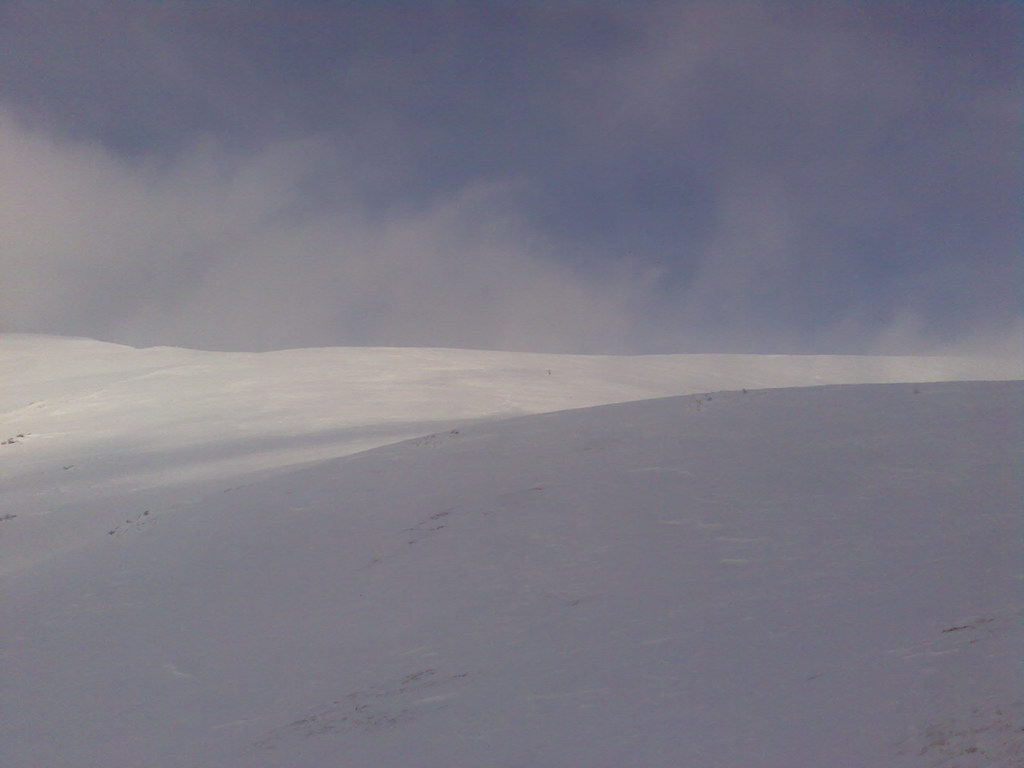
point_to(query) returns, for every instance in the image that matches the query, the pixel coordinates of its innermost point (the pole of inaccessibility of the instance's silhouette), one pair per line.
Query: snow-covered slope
(799, 577)
(125, 418)
(92, 430)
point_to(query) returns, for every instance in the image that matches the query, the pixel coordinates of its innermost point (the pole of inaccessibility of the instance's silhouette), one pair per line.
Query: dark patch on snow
(374, 709)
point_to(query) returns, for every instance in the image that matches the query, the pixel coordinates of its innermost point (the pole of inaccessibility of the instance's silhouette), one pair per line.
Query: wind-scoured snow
(93, 430)
(825, 576)
(822, 576)
(143, 418)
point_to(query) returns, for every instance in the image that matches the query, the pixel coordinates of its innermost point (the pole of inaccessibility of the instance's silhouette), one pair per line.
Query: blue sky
(561, 176)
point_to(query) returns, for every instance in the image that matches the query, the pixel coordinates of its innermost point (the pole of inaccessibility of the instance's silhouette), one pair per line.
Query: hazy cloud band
(568, 177)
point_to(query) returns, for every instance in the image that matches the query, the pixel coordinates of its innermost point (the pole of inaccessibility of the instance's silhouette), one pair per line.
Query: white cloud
(685, 177)
(219, 251)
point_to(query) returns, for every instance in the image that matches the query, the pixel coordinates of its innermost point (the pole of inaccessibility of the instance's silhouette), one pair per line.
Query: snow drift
(824, 576)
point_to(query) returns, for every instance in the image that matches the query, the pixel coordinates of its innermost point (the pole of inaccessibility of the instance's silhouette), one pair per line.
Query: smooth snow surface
(108, 428)
(823, 576)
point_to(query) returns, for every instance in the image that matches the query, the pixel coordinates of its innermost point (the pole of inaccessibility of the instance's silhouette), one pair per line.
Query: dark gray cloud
(572, 176)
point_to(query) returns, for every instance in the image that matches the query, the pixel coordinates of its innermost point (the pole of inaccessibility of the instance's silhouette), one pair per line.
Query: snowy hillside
(103, 428)
(826, 576)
